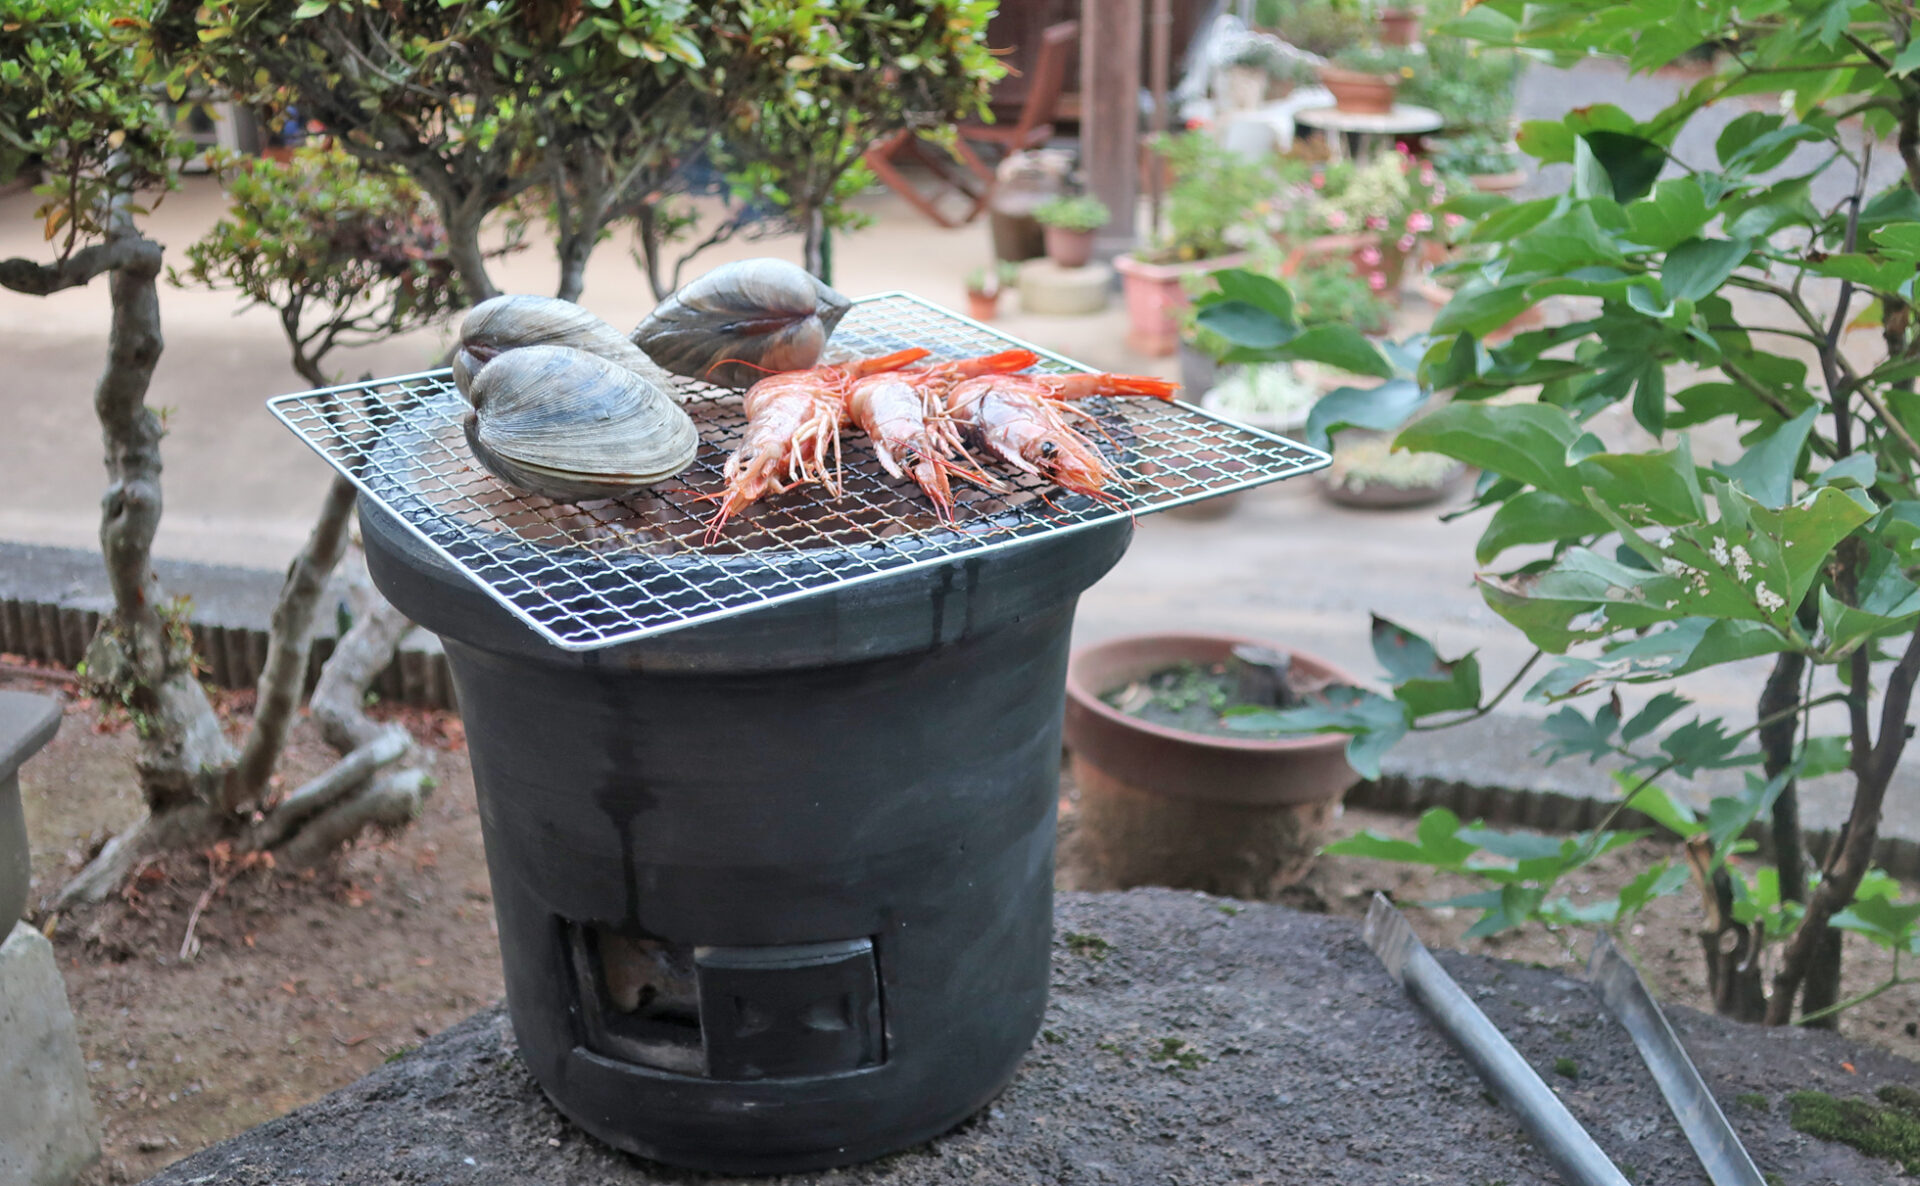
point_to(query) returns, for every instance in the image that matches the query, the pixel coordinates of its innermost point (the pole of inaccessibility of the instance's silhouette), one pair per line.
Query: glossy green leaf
(1536, 517)
(1340, 346)
(1767, 468)
(1699, 267)
(1524, 441)
(1382, 408)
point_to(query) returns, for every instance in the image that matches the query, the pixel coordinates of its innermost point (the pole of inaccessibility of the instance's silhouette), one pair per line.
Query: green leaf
(1672, 214)
(1908, 61)
(1572, 734)
(1383, 408)
(1404, 654)
(1809, 528)
(1703, 745)
(1590, 178)
(1338, 345)
(311, 8)
(1247, 325)
(1698, 267)
(1728, 817)
(1630, 162)
(1658, 806)
(1650, 395)
(1652, 716)
(1825, 755)
(1535, 517)
(1265, 292)
(1479, 308)
(1545, 605)
(1374, 722)
(1436, 844)
(1887, 601)
(1527, 442)
(1766, 469)
(1655, 881)
(1659, 487)
(1882, 921)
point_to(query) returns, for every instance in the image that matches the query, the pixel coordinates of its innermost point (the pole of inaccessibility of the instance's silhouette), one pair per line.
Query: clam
(571, 425)
(742, 321)
(508, 322)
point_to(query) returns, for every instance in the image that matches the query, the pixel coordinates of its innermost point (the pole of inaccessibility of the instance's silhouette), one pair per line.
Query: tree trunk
(142, 658)
(290, 642)
(813, 247)
(573, 251)
(463, 251)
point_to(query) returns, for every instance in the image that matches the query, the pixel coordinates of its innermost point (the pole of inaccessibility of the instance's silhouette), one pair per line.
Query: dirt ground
(293, 985)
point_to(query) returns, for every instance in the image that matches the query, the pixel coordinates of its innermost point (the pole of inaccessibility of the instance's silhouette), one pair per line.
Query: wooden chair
(1032, 130)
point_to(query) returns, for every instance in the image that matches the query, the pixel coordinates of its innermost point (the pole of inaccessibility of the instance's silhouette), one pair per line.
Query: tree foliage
(1777, 274)
(343, 253)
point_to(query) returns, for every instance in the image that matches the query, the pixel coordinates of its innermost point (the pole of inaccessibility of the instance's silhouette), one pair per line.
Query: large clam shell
(515, 320)
(572, 426)
(742, 321)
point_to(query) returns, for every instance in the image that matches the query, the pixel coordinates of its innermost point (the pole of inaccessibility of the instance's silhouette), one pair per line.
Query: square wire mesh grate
(596, 574)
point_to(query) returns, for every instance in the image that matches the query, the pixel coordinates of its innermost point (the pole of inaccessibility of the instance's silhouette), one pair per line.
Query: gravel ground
(1295, 1060)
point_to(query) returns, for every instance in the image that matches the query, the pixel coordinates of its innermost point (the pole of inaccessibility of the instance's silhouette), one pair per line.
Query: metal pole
(1159, 68)
(1626, 997)
(1500, 1066)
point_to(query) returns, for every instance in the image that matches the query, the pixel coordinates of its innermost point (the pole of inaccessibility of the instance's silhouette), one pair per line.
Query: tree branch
(76, 270)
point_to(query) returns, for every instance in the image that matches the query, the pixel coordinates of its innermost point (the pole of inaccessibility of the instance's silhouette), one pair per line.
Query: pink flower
(1377, 281)
(1336, 219)
(1419, 221)
(1370, 256)
(1454, 220)
(1319, 180)
(1406, 243)
(1400, 146)
(1426, 173)
(1439, 194)
(1376, 222)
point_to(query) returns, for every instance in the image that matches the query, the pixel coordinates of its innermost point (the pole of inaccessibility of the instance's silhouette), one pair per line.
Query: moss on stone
(1566, 1068)
(1751, 1099)
(1898, 1095)
(1889, 1132)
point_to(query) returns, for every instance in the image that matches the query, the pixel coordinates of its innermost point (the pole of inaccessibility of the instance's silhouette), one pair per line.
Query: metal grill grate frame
(607, 573)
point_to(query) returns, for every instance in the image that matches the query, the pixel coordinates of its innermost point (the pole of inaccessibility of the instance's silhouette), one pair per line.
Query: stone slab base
(48, 1131)
(1048, 288)
(1190, 1040)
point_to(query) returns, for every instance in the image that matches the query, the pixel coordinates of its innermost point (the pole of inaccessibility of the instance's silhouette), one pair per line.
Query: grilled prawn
(1023, 420)
(904, 413)
(793, 422)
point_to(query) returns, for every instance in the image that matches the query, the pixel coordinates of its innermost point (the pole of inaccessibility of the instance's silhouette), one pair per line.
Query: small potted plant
(1367, 472)
(1212, 207)
(1070, 223)
(1364, 78)
(984, 286)
(1399, 26)
(1173, 789)
(1492, 164)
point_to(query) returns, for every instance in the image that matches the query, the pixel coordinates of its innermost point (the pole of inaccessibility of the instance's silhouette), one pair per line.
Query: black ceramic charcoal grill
(769, 825)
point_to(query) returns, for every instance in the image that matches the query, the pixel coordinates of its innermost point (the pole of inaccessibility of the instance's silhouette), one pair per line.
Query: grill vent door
(782, 1012)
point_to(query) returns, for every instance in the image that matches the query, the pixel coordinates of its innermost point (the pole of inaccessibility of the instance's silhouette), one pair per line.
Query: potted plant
(1210, 211)
(1320, 27)
(984, 286)
(1491, 164)
(1070, 223)
(1364, 78)
(1178, 783)
(1399, 26)
(1373, 216)
(1368, 472)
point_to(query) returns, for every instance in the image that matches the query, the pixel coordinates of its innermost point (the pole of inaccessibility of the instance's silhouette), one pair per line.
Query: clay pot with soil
(1169, 794)
(1070, 224)
(1359, 93)
(1368, 473)
(1399, 26)
(984, 288)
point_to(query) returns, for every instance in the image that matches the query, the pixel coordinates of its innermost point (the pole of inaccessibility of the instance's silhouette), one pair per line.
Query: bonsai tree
(73, 98)
(1778, 271)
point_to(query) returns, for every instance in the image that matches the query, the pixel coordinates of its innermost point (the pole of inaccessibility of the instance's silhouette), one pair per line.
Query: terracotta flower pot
(1163, 806)
(1155, 293)
(1498, 183)
(981, 306)
(1399, 26)
(1360, 94)
(1069, 248)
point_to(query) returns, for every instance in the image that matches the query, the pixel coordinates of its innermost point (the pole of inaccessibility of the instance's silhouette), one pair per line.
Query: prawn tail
(860, 368)
(1138, 385)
